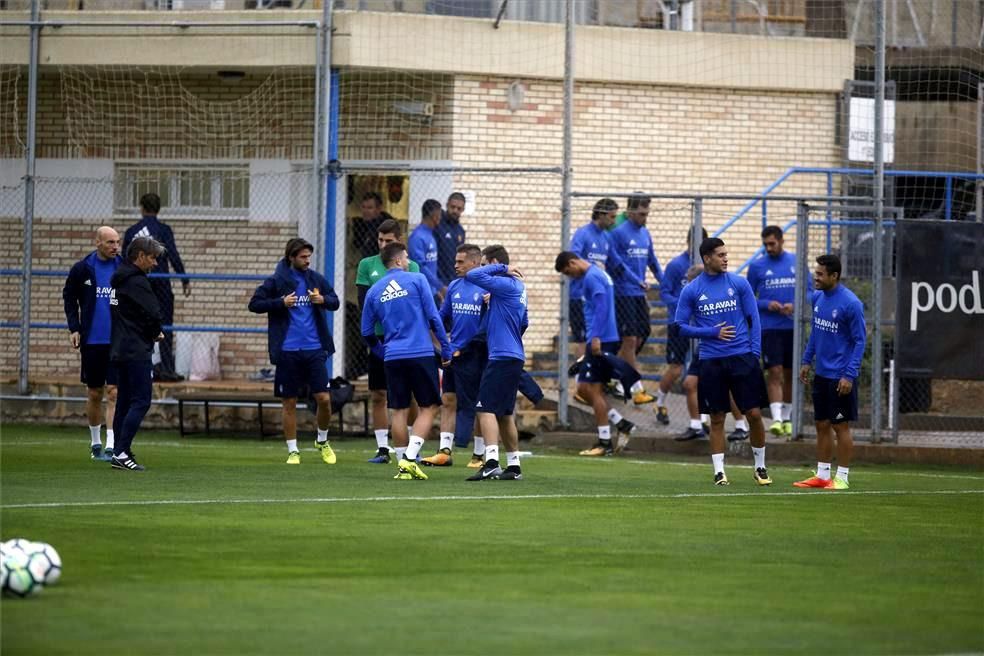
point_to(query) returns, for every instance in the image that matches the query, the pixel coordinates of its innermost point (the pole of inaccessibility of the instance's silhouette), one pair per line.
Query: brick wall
(232, 247)
(627, 137)
(659, 139)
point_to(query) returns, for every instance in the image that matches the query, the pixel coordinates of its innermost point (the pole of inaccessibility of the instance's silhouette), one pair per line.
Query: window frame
(126, 176)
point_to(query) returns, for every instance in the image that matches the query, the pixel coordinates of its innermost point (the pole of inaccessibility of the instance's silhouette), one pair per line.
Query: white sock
(705, 419)
(717, 459)
(660, 397)
(400, 452)
(842, 473)
(447, 439)
(776, 410)
(382, 438)
(409, 430)
(414, 449)
(823, 470)
(110, 439)
(492, 452)
(122, 456)
(322, 435)
(94, 435)
(512, 458)
(759, 453)
(479, 448)
(787, 411)
(614, 416)
(604, 433)
(695, 424)
(637, 387)
(291, 446)
(742, 424)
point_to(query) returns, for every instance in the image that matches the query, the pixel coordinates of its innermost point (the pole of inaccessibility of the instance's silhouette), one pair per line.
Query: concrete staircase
(651, 359)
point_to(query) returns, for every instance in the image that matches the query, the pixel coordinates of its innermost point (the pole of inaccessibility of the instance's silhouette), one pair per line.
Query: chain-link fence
(228, 116)
(214, 262)
(232, 153)
(518, 208)
(908, 409)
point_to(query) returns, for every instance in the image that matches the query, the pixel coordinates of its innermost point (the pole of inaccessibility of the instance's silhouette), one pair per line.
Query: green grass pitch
(221, 548)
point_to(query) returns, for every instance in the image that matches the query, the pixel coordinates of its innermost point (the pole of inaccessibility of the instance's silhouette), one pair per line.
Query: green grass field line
(474, 497)
(220, 548)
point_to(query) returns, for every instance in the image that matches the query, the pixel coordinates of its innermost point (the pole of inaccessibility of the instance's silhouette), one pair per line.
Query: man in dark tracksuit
(450, 236)
(297, 300)
(136, 326)
(150, 226)
(87, 310)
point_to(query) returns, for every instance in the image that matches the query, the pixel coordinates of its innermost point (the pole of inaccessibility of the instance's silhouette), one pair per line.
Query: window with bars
(220, 190)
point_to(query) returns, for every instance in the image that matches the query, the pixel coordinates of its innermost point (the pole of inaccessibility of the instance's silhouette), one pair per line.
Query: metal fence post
(893, 374)
(32, 111)
(326, 142)
(697, 236)
(799, 311)
(563, 347)
(896, 380)
(879, 193)
(979, 186)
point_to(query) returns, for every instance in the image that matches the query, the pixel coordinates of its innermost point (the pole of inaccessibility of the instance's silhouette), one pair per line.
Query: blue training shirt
(462, 309)
(634, 245)
(709, 300)
(101, 328)
(593, 244)
(673, 281)
(422, 248)
(302, 333)
(774, 279)
(402, 302)
(838, 335)
(599, 305)
(507, 316)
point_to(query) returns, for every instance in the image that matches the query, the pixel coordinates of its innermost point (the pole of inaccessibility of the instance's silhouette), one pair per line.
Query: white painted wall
(65, 188)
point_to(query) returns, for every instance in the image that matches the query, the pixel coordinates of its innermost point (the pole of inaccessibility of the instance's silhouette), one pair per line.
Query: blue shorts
(377, 372)
(412, 377)
(579, 331)
(468, 369)
(97, 370)
(632, 316)
(595, 368)
(830, 406)
(694, 368)
(500, 382)
(739, 375)
(300, 372)
(777, 348)
(677, 346)
(447, 381)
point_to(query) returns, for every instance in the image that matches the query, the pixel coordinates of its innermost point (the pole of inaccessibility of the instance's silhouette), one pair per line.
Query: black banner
(941, 310)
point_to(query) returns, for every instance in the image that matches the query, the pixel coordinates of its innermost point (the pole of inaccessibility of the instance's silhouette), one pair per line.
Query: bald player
(86, 294)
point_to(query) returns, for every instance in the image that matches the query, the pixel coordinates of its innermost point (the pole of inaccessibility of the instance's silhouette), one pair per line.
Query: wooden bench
(229, 398)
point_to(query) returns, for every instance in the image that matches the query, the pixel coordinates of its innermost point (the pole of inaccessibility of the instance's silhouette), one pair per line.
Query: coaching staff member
(136, 314)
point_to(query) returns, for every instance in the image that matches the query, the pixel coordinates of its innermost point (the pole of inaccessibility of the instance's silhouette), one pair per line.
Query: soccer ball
(23, 544)
(18, 579)
(44, 560)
